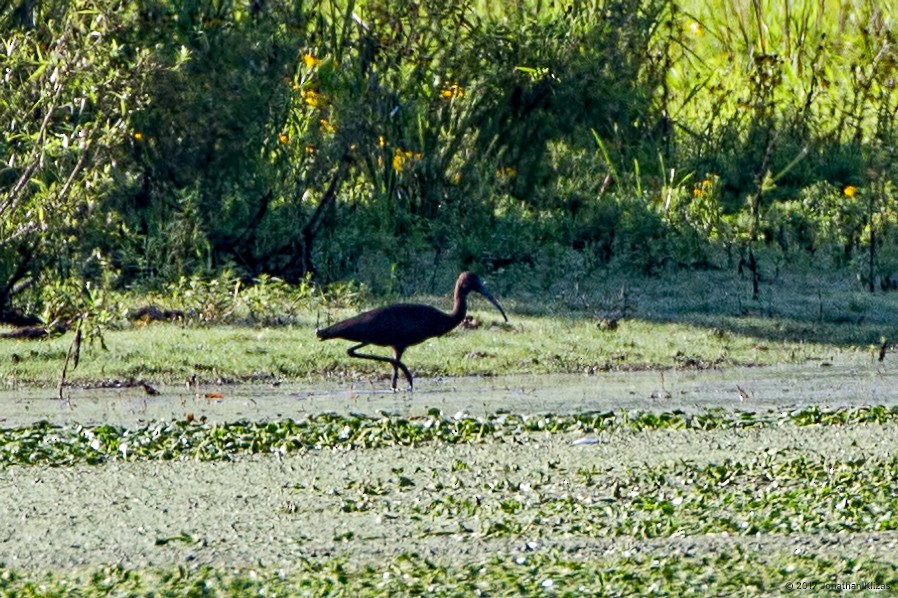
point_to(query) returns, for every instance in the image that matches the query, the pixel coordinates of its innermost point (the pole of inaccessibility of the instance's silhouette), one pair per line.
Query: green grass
(529, 345)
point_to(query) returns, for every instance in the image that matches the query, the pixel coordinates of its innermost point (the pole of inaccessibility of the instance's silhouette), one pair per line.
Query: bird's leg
(397, 356)
(394, 362)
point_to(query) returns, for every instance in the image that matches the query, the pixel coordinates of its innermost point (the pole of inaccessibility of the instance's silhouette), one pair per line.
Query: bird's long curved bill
(492, 300)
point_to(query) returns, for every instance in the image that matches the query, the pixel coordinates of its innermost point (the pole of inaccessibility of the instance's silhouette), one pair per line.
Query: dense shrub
(147, 142)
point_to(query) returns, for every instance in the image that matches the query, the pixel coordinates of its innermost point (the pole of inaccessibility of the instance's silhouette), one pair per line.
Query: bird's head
(468, 281)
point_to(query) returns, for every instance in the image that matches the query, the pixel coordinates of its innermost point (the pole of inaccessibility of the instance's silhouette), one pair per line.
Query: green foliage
(70, 86)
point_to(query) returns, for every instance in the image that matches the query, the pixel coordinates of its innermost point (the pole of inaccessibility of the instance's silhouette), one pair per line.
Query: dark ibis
(402, 325)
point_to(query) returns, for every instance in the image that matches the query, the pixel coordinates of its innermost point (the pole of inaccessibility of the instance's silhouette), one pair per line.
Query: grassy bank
(684, 319)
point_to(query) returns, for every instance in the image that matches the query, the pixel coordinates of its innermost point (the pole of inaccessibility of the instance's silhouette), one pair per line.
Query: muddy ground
(437, 500)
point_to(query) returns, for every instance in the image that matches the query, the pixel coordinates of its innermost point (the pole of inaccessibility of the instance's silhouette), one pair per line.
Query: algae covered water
(768, 491)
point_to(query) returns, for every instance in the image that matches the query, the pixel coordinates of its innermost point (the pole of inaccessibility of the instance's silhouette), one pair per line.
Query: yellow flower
(850, 191)
(705, 186)
(381, 141)
(284, 138)
(312, 98)
(327, 126)
(400, 157)
(453, 91)
(138, 136)
(310, 61)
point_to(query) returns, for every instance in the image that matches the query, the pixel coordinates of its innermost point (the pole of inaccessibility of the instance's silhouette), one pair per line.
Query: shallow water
(848, 381)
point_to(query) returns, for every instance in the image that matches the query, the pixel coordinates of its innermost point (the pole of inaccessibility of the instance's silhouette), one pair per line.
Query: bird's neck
(459, 309)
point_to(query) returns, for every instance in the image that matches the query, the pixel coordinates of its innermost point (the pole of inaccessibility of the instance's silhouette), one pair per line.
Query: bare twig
(72, 355)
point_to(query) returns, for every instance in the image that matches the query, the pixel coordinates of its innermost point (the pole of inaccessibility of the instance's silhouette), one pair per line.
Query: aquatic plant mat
(671, 494)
